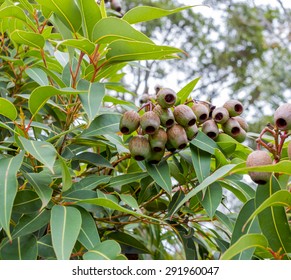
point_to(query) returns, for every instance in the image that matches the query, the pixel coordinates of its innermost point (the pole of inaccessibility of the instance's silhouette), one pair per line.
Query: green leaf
(28, 38)
(225, 220)
(8, 188)
(107, 250)
(238, 232)
(107, 203)
(218, 174)
(91, 182)
(38, 75)
(130, 201)
(66, 10)
(147, 13)
(43, 151)
(203, 142)
(211, 198)
(88, 235)
(13, 12)
(91, 14)
(121, 180)
(7, 109)
(111, 29)
(103, 124)
(40, 96)
(201, 162)
(184, 93)
(65, 227)
(45, 247)
(123, 50)
(31, 223)
(161, 174)
(129, 241)
(26, 202)
(41, 182)
(93, 158)
(92, 99)
(83, 45)
(176, 199)
(245, 242)
(21, 248)
(66, 175)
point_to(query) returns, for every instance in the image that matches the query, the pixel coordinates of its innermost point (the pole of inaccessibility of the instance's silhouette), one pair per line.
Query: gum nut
(150, 122)
(158, 140)
(156, 157)
(166, 97)
(220, 115)
(184, 115)
(129, 122)
(139, 147)
(231, 127)
(242, 122)
(177, 136)
(289, 150)
(241, 136)
(191, 131)
(201, 112)
(282, 117)
(166, 116)
(210, 129)
(234, 107)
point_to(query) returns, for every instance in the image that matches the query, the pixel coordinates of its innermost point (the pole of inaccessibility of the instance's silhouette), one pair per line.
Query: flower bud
(257, 158)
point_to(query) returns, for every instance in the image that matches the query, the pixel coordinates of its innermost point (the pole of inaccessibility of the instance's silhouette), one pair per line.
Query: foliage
(68, 186)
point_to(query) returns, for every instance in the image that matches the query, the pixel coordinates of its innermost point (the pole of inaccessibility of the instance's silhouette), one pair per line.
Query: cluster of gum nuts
(273, 150)
(164, 126)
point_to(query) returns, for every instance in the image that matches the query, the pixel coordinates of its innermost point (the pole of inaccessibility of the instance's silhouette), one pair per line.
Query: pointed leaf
(103, 124)
(245, 242)
(7, 109)
(146, 13)
(66, 175)
(111, 29)
(203, 142)
(184, 93)
(219, 173)
(26, 202)
(93, 158)
(161, 174)
(21, 248)
(107, 250)
(8, 188)
(124, 179)
(28, 38)
(92, 99)
(43, 151)
(40, 96)
(201, 162)
(31, 223)
(83, 45)
(88, 235)
(66, 10)
(91, 14)
(65, 228)
(41, 182)
(122, 50)
(38, 75)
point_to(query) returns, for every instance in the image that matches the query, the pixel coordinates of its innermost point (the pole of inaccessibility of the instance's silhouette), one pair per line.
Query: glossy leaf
(91, 182)
(107, 250)
(203, 142)
(121, 180)
(92, 99)
(7, 109)
(129, 241)
(41, 184)
(103, 124)
(219, 173)
(8, 188)
(88, 236)
(66, 175)
(45, 247)
(38, 75)
(26, 202)
(161, 174)
(122, 50)
(28, 38)
(211, 199)
(21, 248)
(93, 158)
(91, 14)
(184, 93)
(130, 201)
(66, 10)
(65, 228)
(111, 29)
(13, 12)
(245, 242)
(40, 96)
(83, 45)
(43, 151)
(201, 162)
(147, 13)
(31, 223)
(238, 231)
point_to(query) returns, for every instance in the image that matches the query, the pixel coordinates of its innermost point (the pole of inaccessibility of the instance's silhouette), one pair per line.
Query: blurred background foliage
(240, 49)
